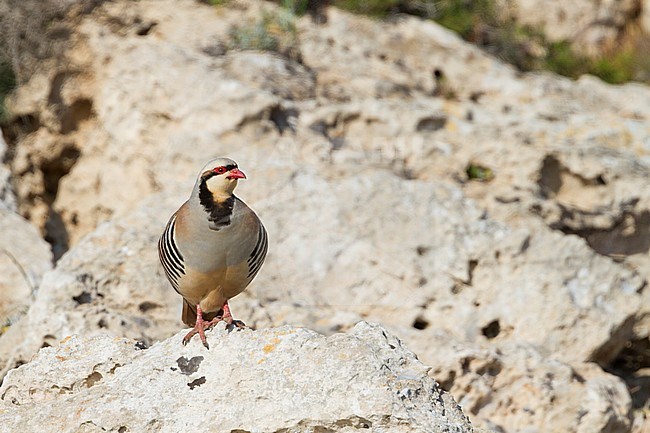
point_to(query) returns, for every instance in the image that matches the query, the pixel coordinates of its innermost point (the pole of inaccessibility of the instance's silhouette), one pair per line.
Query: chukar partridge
(212, 248)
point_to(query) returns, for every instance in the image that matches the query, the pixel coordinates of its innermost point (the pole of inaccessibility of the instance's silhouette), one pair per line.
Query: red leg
(227, 317)
(199, 328)
(201, 325)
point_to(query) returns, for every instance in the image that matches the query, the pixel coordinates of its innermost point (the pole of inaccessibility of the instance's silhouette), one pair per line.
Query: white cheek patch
(217, 184)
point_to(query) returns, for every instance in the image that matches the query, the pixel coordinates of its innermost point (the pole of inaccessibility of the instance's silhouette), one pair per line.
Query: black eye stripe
(224, 168)
(208, 174)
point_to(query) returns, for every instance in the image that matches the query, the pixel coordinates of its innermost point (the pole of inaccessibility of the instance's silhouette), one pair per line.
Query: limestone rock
(510, 387)
(285, 78)
(24, 258)
(366, 93)
(24, 255)
(111, 282)
(645, 16)
(415, 251)
(7, 197)
(360, 157)
(73, 364)
(593, 26)
(446, 259)
(281, 379)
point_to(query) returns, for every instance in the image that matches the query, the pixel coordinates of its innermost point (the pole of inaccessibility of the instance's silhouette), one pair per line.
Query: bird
(212, 248)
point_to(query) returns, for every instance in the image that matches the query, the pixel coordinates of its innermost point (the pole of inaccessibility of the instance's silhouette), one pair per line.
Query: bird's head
(219, 177)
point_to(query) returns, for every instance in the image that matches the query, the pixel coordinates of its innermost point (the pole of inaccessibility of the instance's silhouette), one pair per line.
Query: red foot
(199, 328)
(201, 325)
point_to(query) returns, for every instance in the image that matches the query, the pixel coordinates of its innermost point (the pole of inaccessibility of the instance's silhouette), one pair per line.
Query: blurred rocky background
(472, 175)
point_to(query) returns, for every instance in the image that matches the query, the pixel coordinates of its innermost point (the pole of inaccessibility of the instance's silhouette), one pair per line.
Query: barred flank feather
(259, 253)
(170, 257)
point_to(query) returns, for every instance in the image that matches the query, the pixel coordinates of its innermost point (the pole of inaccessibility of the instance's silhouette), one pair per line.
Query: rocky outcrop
(7, 197)
(446, 260)
(24, 258)
(404, 176)
(281, 379)
(110, 283)
(24, 255)
(514, 385)
(97, 288)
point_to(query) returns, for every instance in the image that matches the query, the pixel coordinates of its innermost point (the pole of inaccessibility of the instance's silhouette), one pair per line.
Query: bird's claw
(229, 322)
(199, 328)
(238, 324)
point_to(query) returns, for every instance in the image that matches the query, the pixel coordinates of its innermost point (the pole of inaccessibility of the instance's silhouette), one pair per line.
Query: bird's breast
(210, 251)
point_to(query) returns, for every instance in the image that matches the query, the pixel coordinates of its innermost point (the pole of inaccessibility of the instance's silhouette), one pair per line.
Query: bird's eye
(220, 170)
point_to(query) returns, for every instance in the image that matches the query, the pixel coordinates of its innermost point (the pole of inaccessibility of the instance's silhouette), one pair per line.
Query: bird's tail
(189, 313)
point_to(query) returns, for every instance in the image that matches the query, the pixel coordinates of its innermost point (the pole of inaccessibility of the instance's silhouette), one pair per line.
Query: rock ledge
(282, 379)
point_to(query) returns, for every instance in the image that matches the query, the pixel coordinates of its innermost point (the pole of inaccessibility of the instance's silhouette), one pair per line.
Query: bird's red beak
(236, 173)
